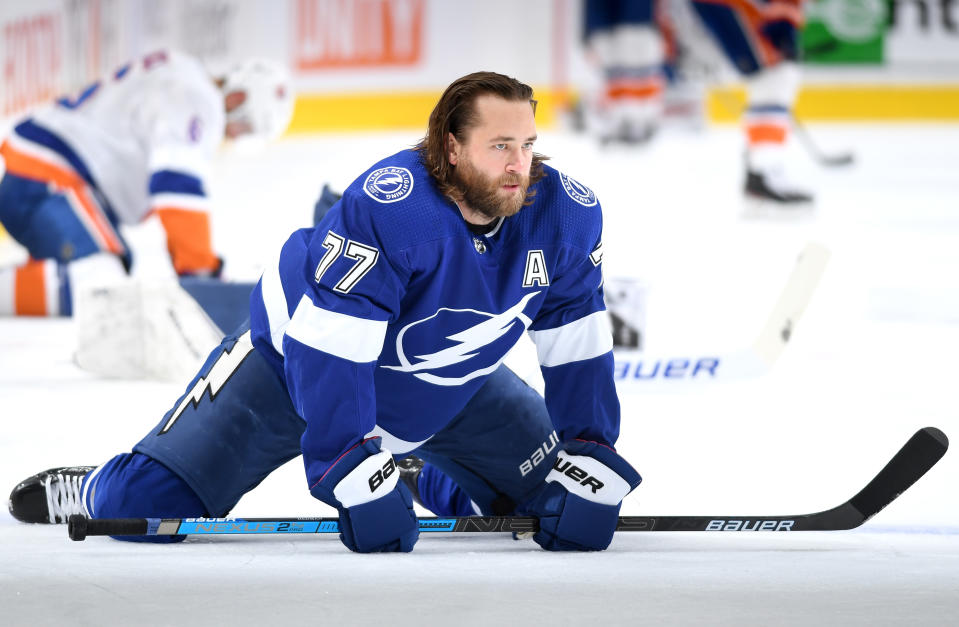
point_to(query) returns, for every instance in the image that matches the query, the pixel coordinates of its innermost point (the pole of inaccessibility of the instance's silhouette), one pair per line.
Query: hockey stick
(640, 368)
(913, 460)
(838, 159)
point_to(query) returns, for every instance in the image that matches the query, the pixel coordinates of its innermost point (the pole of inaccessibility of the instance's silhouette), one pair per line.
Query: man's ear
(452, 148)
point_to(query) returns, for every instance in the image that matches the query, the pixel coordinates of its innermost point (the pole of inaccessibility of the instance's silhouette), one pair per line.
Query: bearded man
(380, 334)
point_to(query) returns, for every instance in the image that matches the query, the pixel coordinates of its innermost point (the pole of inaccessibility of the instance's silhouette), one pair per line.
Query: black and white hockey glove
(578, 507)
(375, 509)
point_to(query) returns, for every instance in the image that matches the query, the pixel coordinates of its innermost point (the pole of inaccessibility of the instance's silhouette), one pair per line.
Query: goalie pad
(134, 330)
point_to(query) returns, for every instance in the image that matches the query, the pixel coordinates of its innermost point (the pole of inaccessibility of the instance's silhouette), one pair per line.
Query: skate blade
(757, 208)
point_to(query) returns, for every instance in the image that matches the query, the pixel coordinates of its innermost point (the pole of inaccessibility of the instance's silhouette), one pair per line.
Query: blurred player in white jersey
(136, 143)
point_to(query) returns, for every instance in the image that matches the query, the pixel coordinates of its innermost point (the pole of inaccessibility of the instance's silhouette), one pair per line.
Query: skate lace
(63, 496)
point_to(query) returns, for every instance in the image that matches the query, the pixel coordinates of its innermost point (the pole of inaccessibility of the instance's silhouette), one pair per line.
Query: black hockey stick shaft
(914, 459)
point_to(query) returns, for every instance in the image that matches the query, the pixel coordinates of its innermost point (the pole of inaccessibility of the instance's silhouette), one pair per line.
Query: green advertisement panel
(844, 31)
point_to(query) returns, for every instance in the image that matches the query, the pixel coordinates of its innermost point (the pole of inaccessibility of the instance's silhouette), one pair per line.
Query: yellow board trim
(410, 110)
(379, 111)
(862, 103)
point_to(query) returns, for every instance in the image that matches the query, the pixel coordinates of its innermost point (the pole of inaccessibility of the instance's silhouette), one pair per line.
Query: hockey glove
(578, 508)
(376, 512)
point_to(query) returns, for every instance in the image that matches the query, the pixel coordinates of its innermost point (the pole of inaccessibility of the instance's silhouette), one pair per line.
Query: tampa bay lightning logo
(477, 345)
(388, 184)
(577, 191)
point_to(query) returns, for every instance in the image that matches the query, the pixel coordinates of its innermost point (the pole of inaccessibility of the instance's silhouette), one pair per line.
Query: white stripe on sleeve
(172, 200)
(274, 300)
(586, 338)
(347, 337)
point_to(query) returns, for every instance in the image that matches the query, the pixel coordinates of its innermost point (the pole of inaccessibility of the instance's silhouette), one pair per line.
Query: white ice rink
(874, 358)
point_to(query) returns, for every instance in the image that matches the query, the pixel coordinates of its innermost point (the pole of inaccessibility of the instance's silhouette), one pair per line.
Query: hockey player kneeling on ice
(136, 144)
(380, 333)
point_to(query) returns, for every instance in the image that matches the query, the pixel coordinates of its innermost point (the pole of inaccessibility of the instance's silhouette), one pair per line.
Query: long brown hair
(456, 113)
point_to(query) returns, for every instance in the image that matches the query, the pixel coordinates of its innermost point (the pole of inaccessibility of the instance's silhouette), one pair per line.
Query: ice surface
(872, 360)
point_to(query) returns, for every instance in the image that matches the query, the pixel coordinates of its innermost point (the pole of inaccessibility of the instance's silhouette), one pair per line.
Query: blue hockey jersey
(386, 318)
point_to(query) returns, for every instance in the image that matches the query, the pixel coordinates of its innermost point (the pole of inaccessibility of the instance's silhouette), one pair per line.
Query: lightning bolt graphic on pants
(221, 371)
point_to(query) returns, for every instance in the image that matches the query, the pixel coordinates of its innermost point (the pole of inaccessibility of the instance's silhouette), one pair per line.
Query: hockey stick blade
(792, 303)
(923, 450)
(919, 454)
(839, 159)
(734, 107)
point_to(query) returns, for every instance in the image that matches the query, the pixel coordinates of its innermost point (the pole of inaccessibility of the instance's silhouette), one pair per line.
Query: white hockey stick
(636, 368)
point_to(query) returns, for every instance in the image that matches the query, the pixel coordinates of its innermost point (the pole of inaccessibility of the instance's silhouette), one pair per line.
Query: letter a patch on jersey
(535, 274)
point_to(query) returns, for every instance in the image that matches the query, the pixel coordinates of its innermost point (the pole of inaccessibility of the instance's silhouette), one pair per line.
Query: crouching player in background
(137, 143)
(381, 332)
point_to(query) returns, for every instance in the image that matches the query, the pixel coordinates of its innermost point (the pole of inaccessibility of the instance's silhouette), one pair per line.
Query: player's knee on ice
(133, 485)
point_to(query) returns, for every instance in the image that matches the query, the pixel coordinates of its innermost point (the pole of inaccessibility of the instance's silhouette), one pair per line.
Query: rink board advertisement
(876, 31)
(380, 63)
(837, 31)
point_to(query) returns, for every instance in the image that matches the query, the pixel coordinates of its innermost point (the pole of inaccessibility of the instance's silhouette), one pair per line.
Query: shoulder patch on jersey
(388, 184)
(577, 191)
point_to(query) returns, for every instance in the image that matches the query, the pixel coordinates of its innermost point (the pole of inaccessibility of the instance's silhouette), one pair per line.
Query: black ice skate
(50, 496)
(769, 186)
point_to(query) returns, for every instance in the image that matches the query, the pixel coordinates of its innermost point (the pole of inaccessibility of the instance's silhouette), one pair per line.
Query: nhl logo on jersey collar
(577, 191)
(388, 184)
